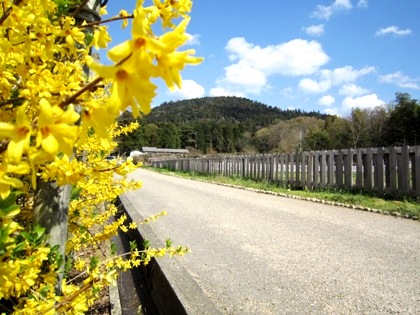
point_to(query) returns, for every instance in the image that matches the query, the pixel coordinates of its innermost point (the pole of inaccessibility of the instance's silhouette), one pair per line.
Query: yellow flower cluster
(57, 124)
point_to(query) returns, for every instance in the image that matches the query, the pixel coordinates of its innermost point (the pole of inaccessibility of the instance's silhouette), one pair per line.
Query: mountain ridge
(222, 108)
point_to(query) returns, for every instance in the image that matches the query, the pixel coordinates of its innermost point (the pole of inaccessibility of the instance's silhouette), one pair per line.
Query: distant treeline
(234, 124)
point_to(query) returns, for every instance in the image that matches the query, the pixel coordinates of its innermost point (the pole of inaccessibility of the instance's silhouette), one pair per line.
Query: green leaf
(133, 245)
(168, 243)
(146, 244)
(94, 262)
(8, 206)
(44, 291)
(88, 38)
(113, 248)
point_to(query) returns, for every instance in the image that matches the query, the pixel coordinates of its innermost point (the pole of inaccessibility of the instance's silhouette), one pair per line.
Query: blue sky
(321, 55)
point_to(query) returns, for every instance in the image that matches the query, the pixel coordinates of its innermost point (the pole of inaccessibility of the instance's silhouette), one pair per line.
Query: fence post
(403, 171)
(392, 170)
(359, 169)
(316, 169)
(339, 170)
(379, 170)
(348, 169)
(323, 169)
(310, 169)
(303, 169)
(416, 172)
(331, 168)
(368, 169)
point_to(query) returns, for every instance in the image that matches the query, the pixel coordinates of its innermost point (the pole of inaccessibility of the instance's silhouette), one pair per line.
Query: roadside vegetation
(404, 207)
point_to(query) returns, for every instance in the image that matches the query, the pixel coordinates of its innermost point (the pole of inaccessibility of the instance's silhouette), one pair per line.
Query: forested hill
(223, 108)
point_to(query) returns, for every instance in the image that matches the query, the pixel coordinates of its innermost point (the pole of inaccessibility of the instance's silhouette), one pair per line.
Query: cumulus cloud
(393, 30)
(190, 89)
(314, 30)
(325, 12)
(336, 77)
(252, 65)
(352, 90)
(326, 100)
(313, 86)
(401, 80)
(362, 102)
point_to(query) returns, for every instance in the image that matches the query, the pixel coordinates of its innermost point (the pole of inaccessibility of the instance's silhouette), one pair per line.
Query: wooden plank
(416, 167)
(310, 165)
(323, 169)
(392, 170)
(331, 168)
(379, 170)
(359, 169)
(369, 169)
(298, 164)
(403, 171)
(292, 169)
(316, 169)
(272, 166)
(348, 168)
(281, 173)
(339, 169)
(303, 163)
(276, 169)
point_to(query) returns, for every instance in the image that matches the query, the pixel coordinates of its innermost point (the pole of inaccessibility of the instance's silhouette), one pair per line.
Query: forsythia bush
(57, 124)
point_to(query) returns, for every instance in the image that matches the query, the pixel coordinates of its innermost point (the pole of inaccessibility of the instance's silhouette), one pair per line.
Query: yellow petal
(6, 129)
(121, 51)
(50, 144)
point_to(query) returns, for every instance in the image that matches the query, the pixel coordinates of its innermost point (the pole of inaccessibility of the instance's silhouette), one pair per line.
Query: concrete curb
(173, 290)
(114, 299)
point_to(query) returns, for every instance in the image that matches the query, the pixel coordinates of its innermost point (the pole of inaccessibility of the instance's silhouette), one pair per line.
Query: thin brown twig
(115, 18)
(86, 88)
(11, 101)
(7, 13)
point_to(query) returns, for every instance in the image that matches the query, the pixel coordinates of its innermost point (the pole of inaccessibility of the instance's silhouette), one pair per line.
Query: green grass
(406, 207)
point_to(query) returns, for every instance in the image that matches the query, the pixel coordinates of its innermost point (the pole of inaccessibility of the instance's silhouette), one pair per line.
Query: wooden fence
(392, 170)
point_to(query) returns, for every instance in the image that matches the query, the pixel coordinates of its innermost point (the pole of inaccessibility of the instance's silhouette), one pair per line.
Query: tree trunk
(51, 207)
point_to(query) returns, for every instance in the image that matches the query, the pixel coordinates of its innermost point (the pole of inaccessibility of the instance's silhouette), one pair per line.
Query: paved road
(262, 254)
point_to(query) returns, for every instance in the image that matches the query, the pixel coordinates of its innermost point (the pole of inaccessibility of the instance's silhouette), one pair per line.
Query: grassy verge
(404, 207)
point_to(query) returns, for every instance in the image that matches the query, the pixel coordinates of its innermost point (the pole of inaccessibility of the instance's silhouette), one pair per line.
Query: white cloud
(395, 30)
(352, 90)
(296, 57)
(325, 12)
(326, 100)
(314, 30)
(253, 64)
(362, 4)
(345, 74)
(193, 40)
(362, 102)
(329, 78)
(312, 86)
(401, 80)
(219, 91)
(332, 111)
(190, 89)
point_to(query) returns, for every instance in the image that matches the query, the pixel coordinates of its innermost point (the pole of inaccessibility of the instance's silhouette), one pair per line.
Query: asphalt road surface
(254, 253)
